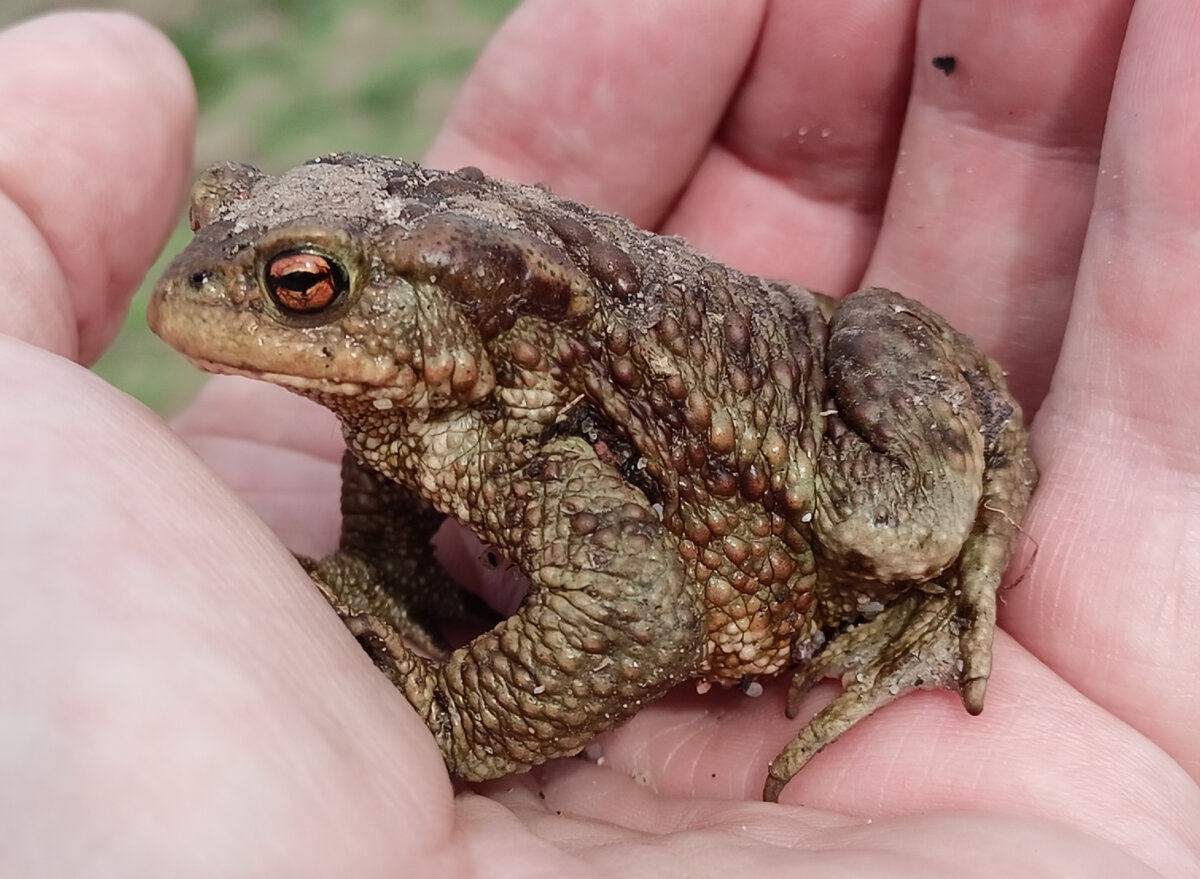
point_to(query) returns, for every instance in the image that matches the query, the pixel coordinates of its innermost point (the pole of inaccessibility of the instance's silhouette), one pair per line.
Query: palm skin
(176, 695)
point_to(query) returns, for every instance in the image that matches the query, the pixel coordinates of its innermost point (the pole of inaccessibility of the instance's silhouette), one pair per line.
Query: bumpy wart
(704, 474)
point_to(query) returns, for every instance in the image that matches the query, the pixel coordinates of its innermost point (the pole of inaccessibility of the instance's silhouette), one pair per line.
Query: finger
(92, 173)
(795, 184)
(1113, 602)
(993, 186)
(607, 101)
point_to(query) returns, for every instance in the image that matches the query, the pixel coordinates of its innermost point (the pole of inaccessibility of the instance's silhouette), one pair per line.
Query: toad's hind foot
(921, 642)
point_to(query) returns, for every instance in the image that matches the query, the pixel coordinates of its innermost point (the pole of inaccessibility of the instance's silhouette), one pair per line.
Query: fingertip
(97, 166)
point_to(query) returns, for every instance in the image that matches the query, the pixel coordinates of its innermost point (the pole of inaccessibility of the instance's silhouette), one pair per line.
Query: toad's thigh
(901, 464)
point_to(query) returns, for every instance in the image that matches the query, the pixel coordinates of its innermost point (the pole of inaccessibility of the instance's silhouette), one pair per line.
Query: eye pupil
(305, 282)
(300, 281)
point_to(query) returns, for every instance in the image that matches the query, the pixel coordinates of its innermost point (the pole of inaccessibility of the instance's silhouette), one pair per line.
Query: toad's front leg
(609, 623)
(385, 565)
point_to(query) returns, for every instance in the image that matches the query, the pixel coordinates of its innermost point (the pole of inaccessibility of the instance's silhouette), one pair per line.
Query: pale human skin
(175, 696)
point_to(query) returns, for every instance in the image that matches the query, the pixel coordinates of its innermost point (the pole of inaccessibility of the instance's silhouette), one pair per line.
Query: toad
(705, 475)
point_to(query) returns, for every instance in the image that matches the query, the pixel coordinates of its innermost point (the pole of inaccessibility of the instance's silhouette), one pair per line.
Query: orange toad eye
(304, 282)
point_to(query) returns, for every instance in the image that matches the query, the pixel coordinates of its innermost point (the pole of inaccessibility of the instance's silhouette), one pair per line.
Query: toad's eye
(303, 282)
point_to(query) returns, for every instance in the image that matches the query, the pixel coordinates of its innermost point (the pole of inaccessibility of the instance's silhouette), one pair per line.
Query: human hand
(179, 693)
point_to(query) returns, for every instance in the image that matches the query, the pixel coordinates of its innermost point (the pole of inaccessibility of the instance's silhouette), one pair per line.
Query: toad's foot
(351, 589)
(921, 642)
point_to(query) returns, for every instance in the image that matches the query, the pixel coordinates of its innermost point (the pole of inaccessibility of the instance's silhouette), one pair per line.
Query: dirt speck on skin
(945, 63)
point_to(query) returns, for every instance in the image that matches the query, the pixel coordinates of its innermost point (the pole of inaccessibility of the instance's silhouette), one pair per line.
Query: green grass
(280, 81)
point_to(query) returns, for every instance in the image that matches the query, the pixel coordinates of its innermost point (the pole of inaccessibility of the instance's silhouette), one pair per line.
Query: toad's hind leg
(923, 477)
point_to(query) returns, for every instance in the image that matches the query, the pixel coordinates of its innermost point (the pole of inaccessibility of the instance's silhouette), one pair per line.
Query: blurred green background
(280, 81)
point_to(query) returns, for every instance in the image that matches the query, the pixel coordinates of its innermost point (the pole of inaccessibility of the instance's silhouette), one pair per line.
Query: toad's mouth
(293, 382)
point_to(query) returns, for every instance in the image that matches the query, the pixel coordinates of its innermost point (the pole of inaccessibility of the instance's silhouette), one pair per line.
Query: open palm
(176, 698)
